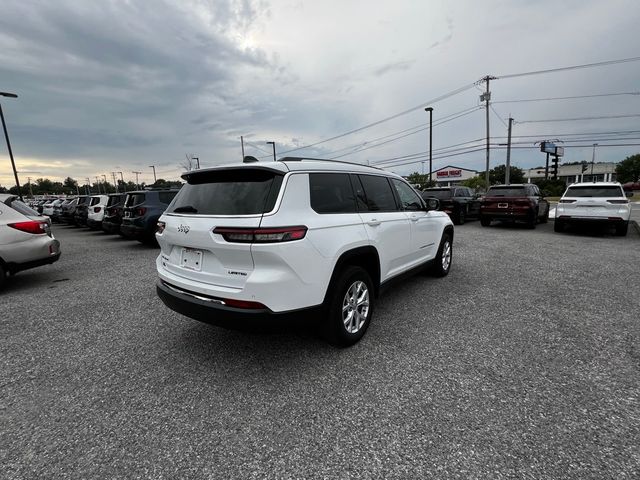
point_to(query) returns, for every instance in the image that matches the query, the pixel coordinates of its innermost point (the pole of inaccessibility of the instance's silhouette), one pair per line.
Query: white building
(451, 175)
(598, 172)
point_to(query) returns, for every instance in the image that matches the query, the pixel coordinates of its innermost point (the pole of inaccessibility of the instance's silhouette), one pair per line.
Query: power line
(578, 118)
(386, 119)
(498, 115)
(406, 135)
(573, 67)
(568, 98)
(544, 135)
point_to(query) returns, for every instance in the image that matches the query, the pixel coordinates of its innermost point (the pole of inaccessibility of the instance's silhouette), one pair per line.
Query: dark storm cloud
(87, 72)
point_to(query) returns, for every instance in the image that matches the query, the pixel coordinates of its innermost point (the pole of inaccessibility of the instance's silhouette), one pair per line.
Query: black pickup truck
(459, 202)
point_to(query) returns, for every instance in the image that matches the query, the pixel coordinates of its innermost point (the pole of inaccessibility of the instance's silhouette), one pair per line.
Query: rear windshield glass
(21, 207)
(134, 199)
(440, 193)
(241, 191)
(94, 201)
(589, 191)
(507, 192)
(114, 200)
(84, 201)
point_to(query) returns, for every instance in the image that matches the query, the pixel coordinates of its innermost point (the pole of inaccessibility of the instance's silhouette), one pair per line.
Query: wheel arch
(365, 257)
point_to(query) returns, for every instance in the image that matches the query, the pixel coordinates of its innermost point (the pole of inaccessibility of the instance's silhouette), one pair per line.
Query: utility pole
(6, 136)
(273, 144)
(124, 187)
(486, 96)
(115, 182)
(154, 173)
(98, 185)
(593, 159)
(88, 189)
(507, 171)
(30, 188)
(137, 182)
(430, 110)
(242, 145)
(105, 182)
(546, 168)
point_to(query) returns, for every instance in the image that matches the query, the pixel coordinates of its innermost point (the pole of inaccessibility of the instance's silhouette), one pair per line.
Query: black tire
(545, 217)
(460, 217)
(558, 226)
(533, 220)
(622, 228)
(485, 221)
(444, 257)
(345, 332)
(3, 276)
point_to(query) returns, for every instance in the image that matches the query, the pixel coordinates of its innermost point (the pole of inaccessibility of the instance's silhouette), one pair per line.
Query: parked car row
(594, 202)
(133, 214)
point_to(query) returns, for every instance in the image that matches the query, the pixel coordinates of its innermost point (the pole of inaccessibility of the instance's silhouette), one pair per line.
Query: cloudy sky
(120, 85)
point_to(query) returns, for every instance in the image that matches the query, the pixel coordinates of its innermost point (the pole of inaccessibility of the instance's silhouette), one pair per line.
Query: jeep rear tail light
(32, 226)
(96, 209)
(261, 235)
(140, 211)
(160, 227)
(618, 201)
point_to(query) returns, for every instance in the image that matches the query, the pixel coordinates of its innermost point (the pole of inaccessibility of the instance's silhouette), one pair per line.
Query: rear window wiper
(185, 209)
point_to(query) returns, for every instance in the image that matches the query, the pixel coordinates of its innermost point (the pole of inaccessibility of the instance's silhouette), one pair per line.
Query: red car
(514, 203)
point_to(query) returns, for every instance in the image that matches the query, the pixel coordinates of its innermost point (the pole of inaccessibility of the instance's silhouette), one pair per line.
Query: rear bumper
(110, 227)
(213, 311)
(507, 214)
(133, 231)
(593, 220)
(19, 267)
(94, 224)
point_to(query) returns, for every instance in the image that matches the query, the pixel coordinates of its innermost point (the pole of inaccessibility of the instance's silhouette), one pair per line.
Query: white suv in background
(95, 211)
(255, 240)
(602, 202)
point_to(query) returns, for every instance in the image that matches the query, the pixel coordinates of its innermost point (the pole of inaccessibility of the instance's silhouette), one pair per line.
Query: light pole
(124, 187)
(430, 110)
(6, 136)
(137, 182)
(154, 173)
(273, 144)
(593, 159)
(197, 159)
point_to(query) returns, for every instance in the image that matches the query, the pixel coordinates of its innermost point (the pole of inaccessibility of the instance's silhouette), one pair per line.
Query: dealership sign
(449, 173)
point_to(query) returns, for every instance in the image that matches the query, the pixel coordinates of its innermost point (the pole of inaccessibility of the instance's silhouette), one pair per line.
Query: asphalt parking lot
(523, 363)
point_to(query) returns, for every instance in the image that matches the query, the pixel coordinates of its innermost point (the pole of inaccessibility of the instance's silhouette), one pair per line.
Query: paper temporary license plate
(191, 259)
(127, 214)
(503, 205)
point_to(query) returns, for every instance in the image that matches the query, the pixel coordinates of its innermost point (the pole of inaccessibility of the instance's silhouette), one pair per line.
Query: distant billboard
(452, 173)
(548, 147)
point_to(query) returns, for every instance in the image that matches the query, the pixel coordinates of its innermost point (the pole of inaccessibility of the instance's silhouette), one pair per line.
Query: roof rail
(300, 159)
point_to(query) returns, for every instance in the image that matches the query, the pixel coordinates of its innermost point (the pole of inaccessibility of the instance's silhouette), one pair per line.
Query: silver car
(26, 240)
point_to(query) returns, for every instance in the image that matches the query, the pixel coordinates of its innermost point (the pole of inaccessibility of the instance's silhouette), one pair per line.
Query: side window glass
(331, 193)
(378, 193)
(408, 197)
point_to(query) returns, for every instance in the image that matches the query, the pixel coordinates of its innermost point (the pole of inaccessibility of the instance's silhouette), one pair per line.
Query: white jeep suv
(254, 240)
(602, 202)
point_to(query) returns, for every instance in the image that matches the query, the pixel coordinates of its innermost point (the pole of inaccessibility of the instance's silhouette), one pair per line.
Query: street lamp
(273, 144)
(6, 136)
(154, 173)
(197, 159)
(430, 110)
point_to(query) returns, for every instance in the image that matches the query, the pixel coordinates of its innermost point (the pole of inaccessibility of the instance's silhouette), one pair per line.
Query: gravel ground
(522, 363)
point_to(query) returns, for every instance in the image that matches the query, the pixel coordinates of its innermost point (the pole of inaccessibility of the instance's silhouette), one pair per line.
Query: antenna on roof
(249, 159)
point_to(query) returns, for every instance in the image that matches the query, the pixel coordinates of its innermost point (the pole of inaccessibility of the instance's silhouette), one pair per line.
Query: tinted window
(409, 199)
(595, 191)
(331, 193)
(114, 200)
(94, 201)
(84, 200)
(378, 193)
(166, 197)
(242, 191)
(507, 192)
(20, 207)
(134, 199)
(439, 193)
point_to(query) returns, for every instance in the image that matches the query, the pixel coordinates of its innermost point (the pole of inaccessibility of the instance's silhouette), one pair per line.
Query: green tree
(477, 183)
(420, 180)
(162, 183)
(69, 185)
(628, 170)
(496, 175)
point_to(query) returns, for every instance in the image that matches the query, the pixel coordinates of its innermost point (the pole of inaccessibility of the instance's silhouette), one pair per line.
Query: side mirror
(432, 204)
(629, 194)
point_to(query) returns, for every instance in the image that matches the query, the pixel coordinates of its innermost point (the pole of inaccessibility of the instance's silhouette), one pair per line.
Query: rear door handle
(373, 222)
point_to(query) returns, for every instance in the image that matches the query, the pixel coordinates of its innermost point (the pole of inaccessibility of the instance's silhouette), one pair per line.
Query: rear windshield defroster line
(241, 191)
